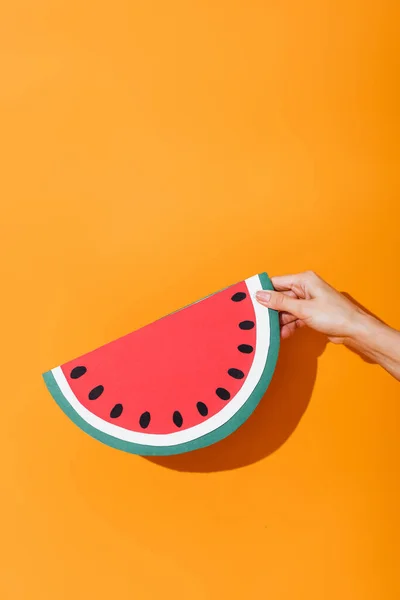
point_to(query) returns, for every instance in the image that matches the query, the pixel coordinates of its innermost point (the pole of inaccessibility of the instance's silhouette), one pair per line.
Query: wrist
(377, 341)
(364, 330)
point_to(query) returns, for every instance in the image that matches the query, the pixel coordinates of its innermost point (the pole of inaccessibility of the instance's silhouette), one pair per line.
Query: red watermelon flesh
(180, 383)
(148, 380)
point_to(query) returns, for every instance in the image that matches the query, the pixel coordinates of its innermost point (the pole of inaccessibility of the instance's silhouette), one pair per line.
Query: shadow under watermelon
(275, 418)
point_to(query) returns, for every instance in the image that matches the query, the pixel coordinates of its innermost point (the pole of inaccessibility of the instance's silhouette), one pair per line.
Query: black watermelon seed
(245, 348)
(236, 373)
(177, 418)
(77, 372)
(116, 411)
(144, 420)
(238, 297)
(202, 408)
(96, 392)
(222, 393)
(246, 325)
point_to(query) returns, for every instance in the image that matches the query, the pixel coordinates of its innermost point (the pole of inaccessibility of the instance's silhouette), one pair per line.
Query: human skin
(305, 299)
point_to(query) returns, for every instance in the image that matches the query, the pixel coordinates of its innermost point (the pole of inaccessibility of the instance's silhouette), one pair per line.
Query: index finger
(288, 282)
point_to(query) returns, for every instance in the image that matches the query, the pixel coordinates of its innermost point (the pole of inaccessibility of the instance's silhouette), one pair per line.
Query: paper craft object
(181, 383)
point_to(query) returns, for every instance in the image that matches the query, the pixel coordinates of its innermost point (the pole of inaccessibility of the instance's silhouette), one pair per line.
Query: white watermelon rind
(236, 420)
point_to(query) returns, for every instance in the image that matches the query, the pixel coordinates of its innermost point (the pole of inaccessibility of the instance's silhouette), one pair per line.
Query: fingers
(283, 282)
(289, 329)
(288, 282)
(281, 302)
(290, 293)
(285, 318)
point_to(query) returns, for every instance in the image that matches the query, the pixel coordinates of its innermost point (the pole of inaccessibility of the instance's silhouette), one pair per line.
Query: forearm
(378, 342)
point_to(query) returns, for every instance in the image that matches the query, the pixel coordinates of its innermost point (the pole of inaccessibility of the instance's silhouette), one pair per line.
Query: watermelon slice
(181, 383)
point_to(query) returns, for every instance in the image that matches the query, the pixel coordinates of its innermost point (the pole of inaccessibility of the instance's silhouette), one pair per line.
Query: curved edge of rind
(206, 440)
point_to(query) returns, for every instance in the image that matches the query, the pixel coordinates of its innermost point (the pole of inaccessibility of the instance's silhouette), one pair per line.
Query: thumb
(281, 302)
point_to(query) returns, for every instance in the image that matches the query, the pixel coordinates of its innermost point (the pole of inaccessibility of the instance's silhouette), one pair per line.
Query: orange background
(151, 153)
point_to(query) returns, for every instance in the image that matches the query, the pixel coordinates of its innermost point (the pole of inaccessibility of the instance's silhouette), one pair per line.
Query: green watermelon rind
(206, 440)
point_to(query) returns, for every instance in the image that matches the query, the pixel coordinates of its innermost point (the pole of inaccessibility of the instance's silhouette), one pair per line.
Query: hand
(306, 299)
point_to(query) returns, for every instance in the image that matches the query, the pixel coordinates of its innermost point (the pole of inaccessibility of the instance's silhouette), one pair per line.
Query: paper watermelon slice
(181, 383)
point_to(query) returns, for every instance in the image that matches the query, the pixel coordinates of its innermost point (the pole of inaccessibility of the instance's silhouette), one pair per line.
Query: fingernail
(263, 296)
